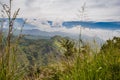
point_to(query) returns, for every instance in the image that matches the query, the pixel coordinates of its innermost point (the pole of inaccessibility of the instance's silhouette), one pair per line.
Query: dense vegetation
(70, 64)
(59, 58)
(38, 51)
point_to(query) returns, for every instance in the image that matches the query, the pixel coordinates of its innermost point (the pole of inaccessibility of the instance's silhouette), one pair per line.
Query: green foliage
(67, 46)
(72, 65)
(111, 49)
(98, 66)
(111, 45)
(38, 51)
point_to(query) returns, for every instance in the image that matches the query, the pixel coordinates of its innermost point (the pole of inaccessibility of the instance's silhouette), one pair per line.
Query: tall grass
(9, 68)
(87, 65)
(92, 66)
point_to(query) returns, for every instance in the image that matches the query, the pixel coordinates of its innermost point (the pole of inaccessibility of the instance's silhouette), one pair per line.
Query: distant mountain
(100, 25)
(69, 24)
(36, 32)
(38, 27)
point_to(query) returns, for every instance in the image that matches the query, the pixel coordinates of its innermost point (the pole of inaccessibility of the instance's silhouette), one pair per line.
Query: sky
(95, 10)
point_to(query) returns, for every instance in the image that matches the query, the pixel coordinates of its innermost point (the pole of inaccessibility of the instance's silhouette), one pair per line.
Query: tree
(111, 45)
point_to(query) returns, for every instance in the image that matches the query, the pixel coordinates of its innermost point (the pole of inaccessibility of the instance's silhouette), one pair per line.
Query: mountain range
(46, 28)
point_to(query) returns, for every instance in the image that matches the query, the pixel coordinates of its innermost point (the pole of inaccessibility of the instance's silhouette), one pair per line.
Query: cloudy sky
(95, 10)
(103, 34)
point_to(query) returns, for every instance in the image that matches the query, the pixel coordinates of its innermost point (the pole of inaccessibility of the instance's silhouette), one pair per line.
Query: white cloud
(101, 33)
(96, 10)
(43, 25)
